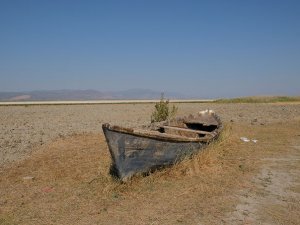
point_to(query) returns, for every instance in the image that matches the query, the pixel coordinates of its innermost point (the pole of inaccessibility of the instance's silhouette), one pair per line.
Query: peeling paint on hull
(135, 155)
(136, 151)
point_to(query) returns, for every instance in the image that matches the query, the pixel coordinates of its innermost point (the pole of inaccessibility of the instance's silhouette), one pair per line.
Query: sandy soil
(246, 183)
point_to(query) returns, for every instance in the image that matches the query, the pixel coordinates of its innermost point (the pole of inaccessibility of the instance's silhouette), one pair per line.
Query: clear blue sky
(207, 48)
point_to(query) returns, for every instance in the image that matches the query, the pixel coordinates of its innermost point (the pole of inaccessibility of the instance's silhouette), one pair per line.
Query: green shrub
(163, 111)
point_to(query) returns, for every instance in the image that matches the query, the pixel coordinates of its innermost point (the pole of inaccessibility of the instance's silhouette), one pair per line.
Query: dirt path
(274, 197)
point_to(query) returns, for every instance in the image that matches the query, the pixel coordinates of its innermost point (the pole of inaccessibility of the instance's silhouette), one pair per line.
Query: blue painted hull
(136, 154)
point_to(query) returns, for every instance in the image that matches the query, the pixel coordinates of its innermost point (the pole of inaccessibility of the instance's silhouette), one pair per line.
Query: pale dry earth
(274, 194)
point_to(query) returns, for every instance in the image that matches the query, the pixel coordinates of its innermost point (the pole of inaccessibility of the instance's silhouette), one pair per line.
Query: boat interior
(200, 127)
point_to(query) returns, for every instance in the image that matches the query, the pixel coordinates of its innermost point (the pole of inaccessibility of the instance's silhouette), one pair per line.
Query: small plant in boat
(163, 111)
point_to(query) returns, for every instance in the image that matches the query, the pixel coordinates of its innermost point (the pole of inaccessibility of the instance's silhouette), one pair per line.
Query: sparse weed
(163, 111)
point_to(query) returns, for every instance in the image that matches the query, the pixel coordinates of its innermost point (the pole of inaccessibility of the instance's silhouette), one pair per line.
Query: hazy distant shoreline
(88, 95)
(133, 101)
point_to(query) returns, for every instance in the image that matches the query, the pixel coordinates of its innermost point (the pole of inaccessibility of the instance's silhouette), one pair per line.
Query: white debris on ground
(245, 139)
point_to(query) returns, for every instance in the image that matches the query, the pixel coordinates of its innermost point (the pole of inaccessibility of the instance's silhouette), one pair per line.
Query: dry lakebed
(54, 168)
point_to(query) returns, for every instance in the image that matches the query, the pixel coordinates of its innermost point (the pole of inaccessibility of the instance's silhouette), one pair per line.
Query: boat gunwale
(156, 135)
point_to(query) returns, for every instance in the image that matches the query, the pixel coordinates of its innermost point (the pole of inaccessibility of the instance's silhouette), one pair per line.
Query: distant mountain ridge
(63, 95)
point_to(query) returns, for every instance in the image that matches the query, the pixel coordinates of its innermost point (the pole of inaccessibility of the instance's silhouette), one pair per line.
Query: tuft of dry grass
(71, 180)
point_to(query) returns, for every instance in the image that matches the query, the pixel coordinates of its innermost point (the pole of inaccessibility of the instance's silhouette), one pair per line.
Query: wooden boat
(138, 151)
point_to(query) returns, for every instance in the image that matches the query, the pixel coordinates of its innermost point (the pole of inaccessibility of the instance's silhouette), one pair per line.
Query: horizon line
(96, 102)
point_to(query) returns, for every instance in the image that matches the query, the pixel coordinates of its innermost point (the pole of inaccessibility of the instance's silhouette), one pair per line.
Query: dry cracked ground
(54, 168)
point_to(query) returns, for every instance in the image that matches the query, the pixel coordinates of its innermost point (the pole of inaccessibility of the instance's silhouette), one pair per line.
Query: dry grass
(71, 184)
(260, 99)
